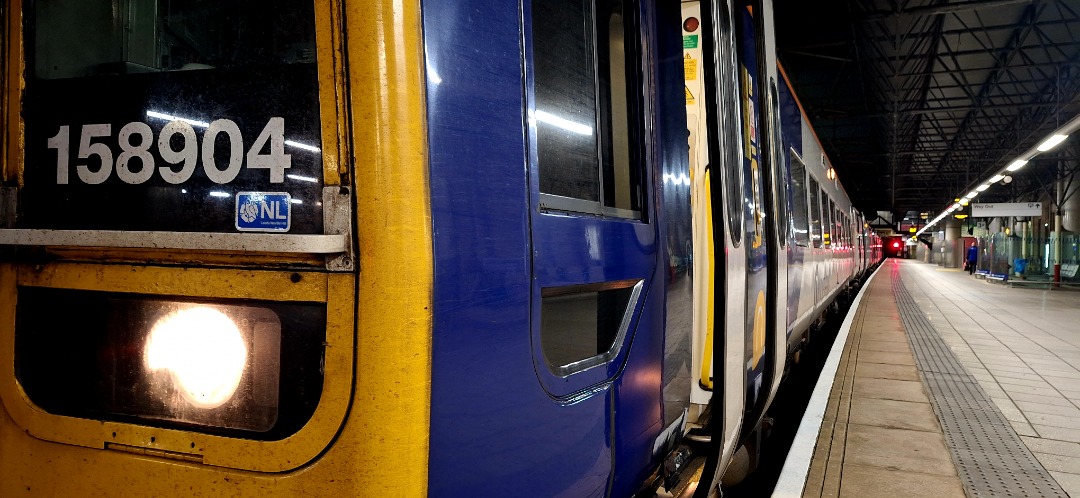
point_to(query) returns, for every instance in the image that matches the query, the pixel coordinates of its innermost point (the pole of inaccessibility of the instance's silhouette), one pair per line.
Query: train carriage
(547, 248)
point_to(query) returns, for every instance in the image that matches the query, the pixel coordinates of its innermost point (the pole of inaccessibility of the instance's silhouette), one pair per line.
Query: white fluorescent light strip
(1051, 142)
(299, 145)
(996, 178)
(219, 194)
(296, 201)
(303, 178)
(204, 124)
(982, 187)
(1017, 164)
(566, 124)
(170, 117)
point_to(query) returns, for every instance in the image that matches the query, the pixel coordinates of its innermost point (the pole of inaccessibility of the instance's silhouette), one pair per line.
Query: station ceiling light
(1017, 164)
(1053, 140)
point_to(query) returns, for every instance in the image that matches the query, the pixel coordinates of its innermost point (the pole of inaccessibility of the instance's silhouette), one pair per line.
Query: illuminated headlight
(203, 351)
(166, 362)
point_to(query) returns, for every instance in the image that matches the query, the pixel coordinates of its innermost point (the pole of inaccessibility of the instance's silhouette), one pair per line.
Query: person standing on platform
(972, 258)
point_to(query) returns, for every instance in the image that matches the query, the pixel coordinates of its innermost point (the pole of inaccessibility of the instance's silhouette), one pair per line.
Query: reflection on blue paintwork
(432, 75)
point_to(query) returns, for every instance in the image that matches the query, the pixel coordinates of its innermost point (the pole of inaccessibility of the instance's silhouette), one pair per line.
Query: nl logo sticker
(263, 211)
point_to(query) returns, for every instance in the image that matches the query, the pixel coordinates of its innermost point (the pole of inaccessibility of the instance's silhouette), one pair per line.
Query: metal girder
(947, 8)
(946, 98)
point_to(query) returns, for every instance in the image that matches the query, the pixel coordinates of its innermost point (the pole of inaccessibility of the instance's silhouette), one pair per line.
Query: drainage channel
(991, 458)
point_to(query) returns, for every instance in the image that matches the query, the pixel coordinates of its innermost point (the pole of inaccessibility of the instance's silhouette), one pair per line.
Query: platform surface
(951, 386)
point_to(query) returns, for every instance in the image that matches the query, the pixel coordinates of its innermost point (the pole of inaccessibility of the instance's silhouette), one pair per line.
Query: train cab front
(179, 265)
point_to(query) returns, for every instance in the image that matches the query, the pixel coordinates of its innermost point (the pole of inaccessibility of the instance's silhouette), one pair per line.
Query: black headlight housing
(242, 368)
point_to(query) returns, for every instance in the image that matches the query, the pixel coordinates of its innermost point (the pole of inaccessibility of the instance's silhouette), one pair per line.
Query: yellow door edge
(393, 387)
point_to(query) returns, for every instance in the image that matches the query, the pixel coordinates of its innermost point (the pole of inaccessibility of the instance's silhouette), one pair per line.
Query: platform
(946, 386)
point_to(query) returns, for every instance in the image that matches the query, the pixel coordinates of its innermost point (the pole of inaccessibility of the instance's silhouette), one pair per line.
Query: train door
(594, 250)
(817, 253)
(777, 222)
(721, 222)
(739, 171)
(860, 241)
(839, 247)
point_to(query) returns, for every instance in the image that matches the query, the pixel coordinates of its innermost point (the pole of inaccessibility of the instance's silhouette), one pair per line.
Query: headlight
(246, 366)
(203, 351)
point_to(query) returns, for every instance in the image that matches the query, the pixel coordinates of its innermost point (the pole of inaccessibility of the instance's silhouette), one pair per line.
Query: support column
(1057, 247)
(954, 250)
(1024, 227)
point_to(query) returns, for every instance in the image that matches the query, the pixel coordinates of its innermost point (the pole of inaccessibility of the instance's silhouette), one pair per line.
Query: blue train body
(501, 421)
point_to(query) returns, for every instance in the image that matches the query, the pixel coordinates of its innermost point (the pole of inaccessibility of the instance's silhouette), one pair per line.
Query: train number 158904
(186, 157)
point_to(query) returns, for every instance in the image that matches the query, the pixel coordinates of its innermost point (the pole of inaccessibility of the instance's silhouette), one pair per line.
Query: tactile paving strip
(991, 458)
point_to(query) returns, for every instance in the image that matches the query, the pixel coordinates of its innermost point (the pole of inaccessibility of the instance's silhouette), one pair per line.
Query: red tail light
(896, 245)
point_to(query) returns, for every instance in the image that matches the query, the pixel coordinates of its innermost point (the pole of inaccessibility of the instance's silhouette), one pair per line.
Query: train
(404, 248)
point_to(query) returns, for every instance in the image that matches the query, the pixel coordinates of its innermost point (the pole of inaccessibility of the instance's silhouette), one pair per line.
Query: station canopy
(917, 101)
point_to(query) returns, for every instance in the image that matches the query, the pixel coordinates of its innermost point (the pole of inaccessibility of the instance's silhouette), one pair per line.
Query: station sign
(989, 210)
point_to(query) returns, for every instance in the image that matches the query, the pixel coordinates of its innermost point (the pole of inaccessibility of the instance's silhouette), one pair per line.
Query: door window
(585, 73)
(800, 215)
(815, 212)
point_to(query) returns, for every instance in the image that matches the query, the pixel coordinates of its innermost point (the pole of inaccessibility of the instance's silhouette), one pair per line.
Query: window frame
(602, 128)
(625, 319)
(797, 192)
(814, 192)
(783, 215)
(830, 224)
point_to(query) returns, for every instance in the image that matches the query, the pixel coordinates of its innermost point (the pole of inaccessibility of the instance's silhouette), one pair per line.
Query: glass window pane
(846, 229)
(800, 216)
(581, 325)
(815, 212)
(620, 182)
(139, 110)
(776, 160)
(827, 219)
(839, 224)
(565, 98)
(585, 95)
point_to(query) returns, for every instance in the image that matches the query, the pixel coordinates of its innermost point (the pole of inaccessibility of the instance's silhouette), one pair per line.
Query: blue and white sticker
(263, 211)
